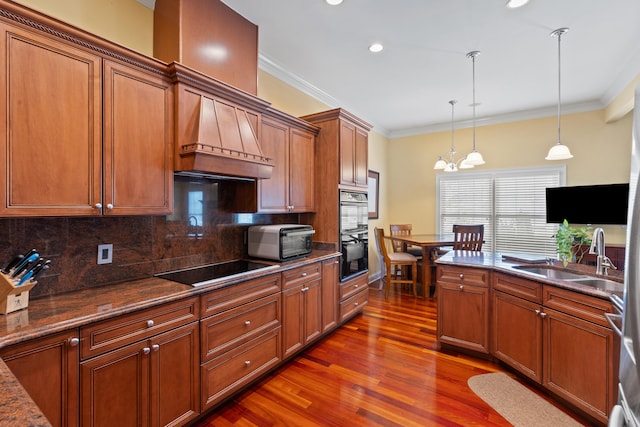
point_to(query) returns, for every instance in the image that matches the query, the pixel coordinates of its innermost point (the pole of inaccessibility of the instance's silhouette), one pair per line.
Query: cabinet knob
(247, 323)
(150, 323)
(336, 262)
(98, 205)
(247, 363)
(304, 274)
(355, 286)
(461, 276)
(305, 289)
(537, 312)
(462, 287)
(543, 314)
(355, 304)
(146, 350)
(74, 341)
(155, 347)
(109, 206)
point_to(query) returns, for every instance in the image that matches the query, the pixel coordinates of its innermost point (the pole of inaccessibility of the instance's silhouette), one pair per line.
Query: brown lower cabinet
(558, 338)
(301, 308)
(52, 360)
(165, 365)
(463, 307)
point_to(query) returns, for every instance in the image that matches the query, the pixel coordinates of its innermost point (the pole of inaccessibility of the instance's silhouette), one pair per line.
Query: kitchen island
(171, 307)
(548, 322)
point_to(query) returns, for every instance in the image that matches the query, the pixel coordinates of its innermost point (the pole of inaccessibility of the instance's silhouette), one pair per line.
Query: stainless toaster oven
(280, 241)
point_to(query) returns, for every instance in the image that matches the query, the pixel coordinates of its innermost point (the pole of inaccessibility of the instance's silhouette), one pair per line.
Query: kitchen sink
(550, 272)
(602, 284)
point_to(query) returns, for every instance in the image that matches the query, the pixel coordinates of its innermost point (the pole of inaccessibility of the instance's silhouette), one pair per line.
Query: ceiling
(406, 88)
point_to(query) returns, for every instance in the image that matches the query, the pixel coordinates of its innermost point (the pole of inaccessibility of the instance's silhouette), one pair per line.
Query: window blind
(510, 203)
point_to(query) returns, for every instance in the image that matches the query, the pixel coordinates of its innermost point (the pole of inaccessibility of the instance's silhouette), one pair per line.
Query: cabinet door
(347, 153)
(292, 325)
(273, 193)
(301, 171)
(330, 294)
(579, 360)
(50, 124)
(175, 376)
(51, 361)
(138, 142)
(115, 388)
(361, 172)
(312, 320)
(463, 318)
(517, 334)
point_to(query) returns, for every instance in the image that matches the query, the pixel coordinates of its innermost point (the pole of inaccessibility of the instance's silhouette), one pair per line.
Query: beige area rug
(516, 403)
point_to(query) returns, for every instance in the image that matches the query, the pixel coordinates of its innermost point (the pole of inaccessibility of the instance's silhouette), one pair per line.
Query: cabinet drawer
(299, 275)
(226, 374)
(353, 304)
(353, 286)
(463, 276)
(577, 304)
(229, 329)
(98, 338)
(235, 295)
(527, 289)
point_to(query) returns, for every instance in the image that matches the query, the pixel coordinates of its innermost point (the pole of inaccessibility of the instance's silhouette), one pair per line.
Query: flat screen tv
(588, 204)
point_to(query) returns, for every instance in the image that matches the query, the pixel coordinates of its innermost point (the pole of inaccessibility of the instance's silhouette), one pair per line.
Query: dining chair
(392, 260)
(468, 237)
(403, 230)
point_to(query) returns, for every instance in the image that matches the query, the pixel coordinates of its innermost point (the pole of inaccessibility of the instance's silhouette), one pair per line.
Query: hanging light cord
(453, 147)
(473, 80)
(558, 33)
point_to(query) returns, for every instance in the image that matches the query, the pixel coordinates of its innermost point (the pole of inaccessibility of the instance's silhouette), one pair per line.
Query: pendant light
(474, 157)
(452, 165)
(559, 151)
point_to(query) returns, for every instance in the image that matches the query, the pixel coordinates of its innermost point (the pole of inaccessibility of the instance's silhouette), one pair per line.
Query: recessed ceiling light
(333, 2)
(376, 47)
(512, 4)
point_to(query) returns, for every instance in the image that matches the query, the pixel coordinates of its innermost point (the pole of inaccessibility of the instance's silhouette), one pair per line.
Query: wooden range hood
(217, 113)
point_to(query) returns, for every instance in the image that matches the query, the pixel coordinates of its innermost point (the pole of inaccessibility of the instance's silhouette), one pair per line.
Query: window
(510, 203)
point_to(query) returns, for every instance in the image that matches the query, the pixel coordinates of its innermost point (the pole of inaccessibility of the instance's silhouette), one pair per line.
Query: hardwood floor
(381, 368)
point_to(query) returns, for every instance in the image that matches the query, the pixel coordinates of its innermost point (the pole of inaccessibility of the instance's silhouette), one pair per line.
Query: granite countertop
(57, 313)
(508, 263)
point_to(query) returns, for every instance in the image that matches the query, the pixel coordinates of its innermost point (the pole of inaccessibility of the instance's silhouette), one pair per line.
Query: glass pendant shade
(474, 158)
(440, 164)
(559, 152)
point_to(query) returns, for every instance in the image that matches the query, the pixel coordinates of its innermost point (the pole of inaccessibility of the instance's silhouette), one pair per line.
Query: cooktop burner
(208, 274)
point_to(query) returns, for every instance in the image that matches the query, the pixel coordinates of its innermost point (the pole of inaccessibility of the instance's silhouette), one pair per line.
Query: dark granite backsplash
(142, 245)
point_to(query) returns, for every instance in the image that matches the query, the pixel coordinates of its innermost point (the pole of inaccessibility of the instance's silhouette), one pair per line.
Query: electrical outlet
(105, 254)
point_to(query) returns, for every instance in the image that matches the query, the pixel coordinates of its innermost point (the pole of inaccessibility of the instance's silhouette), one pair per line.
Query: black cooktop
(206, 274)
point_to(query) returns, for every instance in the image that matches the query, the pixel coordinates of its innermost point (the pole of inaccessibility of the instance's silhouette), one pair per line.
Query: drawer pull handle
(355, 304)
(537, 312)
(150, 323)
(247, 323)
(355, 286)
(155, 347)
(304, 274)
(247, 363)
(146, 350)
(74, 342)
(305, 289)
(543, 314)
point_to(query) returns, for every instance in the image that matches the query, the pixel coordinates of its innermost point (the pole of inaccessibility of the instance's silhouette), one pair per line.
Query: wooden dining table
(429, 244)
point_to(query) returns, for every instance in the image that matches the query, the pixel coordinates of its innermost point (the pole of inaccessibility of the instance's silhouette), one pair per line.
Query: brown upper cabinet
(291, 144)
(343, 141)
(82, 135)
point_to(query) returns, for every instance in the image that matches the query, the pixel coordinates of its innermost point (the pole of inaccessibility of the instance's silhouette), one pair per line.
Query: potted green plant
(571, 242)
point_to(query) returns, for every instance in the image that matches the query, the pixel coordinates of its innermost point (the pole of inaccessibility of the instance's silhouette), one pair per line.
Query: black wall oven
(354, 233)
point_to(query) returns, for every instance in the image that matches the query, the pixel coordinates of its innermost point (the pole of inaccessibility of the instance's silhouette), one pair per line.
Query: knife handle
(23, 264)
(12, 263)
(25, 277)
(44, 268)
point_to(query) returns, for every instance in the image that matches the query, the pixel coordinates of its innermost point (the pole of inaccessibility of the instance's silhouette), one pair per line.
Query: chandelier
(451, 164)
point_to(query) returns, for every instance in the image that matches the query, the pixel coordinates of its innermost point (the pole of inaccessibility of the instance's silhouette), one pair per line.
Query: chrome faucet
(603, 263)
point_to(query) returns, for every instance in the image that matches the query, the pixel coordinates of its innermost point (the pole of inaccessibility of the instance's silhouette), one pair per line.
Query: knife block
(12, 297)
